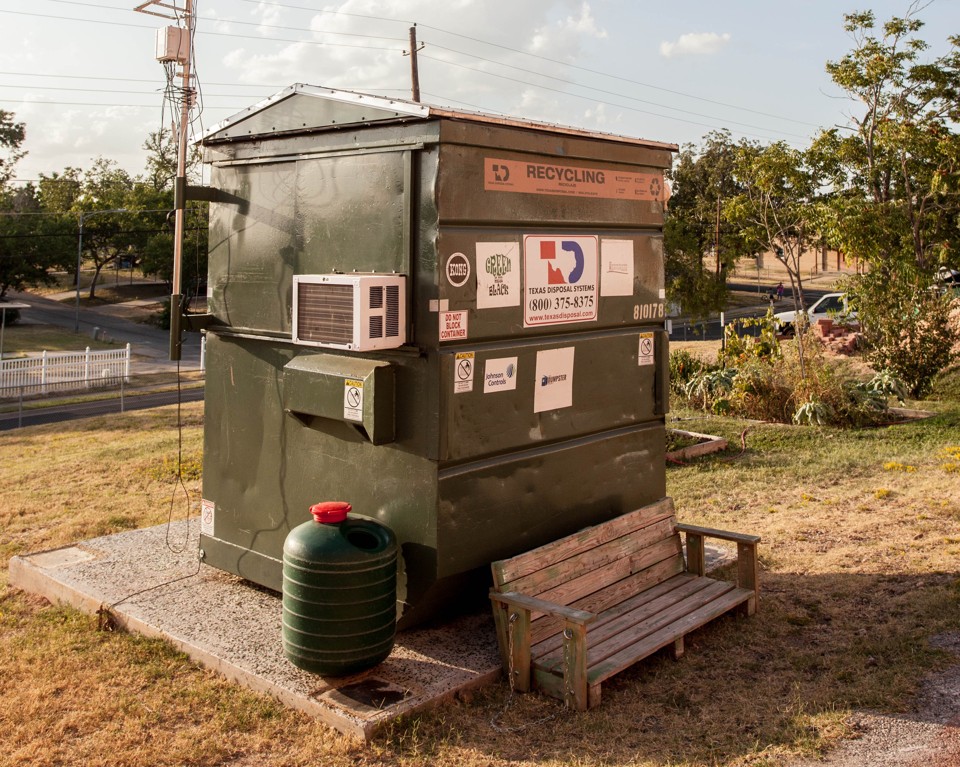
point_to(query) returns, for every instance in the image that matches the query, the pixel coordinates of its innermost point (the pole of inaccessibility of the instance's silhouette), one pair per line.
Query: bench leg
(513, 633)
(575, 692)
(678, 648)
(748, 575)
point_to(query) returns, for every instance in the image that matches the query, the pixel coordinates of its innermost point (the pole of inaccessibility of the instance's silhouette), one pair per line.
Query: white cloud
(695, 43)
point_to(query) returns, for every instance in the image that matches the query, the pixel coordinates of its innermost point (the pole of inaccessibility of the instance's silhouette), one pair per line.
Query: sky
(82, 75)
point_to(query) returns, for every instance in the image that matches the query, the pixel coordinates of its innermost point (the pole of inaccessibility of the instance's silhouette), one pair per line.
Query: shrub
(683, 367)
(769, 383)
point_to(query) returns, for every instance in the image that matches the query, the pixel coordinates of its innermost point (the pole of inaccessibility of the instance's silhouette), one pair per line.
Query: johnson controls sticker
(559, 279)
(352, 400)
(500, 375)
(463, 365)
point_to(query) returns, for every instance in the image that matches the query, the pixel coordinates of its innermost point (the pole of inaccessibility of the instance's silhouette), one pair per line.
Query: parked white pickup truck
(831, 306)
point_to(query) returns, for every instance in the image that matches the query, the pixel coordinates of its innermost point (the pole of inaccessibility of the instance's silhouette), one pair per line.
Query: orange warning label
(570, 180)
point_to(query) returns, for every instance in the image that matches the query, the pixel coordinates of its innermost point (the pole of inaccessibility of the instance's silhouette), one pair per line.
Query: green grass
(19, 339)
(858, 572)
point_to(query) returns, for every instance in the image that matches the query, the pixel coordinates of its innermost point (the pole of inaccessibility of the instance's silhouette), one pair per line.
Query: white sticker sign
(453, 326)
(645, 350)
(559, 279)
(352, 400)
(498, 274)
(554, 382)
(616, 268)
(463, 366)
(500, 375)
(207, 512)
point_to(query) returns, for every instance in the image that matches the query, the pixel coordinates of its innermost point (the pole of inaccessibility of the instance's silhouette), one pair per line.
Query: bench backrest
(598, 567)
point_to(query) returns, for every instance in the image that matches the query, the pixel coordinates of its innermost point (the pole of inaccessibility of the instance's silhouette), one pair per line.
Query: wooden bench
(574, 612)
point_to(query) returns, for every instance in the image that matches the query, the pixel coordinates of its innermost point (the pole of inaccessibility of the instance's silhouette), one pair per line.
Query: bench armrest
(709, 532)
(748, 566)
(570, 614)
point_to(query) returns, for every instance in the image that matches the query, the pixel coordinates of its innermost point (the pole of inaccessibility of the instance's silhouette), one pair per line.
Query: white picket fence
(63, 371)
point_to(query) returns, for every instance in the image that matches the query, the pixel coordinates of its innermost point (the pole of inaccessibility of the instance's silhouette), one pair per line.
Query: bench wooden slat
(594, 580)
(558, 573)
(611, 595)
(509, 570)
(651, 600)
(627, 630)
(666, 636)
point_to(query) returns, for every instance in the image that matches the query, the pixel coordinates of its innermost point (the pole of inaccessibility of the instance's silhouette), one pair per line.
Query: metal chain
(511, 674)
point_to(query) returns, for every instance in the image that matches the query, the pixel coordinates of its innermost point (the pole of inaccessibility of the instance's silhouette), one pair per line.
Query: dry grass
(859, 569)
(18, 339)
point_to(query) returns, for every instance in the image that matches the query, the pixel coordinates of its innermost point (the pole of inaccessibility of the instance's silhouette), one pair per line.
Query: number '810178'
(648, 311)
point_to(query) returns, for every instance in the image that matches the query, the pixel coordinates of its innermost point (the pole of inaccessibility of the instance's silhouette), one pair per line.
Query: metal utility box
(527, 396)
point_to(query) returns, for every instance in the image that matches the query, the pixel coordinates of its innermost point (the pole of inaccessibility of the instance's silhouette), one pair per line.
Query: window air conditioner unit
(357, 312)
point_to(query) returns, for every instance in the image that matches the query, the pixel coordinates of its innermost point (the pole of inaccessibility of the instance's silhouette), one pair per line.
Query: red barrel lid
(330, 512)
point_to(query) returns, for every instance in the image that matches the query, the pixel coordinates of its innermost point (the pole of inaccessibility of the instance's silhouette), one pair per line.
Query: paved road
(73, 411)
(150, 345)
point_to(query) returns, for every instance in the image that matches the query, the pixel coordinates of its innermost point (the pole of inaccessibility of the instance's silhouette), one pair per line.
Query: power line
(132, 79)
(210, 34)
(248, 23)
(600, 90)
(588, 98)
(92, 104)
(534, 56)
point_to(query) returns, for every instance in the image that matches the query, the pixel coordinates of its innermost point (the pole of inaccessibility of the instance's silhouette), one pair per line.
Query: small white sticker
(352, 400)
(554, 381)
(463, 372)
(500, 375)
(434, 305)
(663, 294)
(616, 268)
(498, 274)
(453, 326)
(458, 270)
(645, 350)
(207, 512)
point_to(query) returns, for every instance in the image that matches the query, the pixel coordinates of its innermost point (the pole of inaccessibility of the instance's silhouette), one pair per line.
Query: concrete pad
(150, 581)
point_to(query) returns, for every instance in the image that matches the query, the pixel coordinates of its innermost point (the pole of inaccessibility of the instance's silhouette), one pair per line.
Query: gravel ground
(928, 736)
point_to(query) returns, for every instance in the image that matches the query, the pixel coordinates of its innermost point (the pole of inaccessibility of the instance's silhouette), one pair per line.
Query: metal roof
(304, 108)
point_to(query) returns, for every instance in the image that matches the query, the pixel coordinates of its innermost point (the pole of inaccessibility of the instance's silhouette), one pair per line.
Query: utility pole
(718, 236)
(414, 68)
(183, 55)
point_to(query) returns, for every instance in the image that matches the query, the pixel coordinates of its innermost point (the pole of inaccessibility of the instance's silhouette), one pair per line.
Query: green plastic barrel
(339, 592)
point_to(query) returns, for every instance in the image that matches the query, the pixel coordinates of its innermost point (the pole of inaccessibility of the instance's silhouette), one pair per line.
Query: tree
(12, 135)
(155, 193)
(32, 243)
(105, 187)
(895, 173)
(776, 209)
(695, 225)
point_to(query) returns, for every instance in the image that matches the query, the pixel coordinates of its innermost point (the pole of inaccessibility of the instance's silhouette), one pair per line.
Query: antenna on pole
(175, 46)
(414, 68)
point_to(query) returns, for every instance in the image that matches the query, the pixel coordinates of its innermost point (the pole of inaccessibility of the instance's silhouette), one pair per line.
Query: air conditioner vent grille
(325, 313)
(393, 311)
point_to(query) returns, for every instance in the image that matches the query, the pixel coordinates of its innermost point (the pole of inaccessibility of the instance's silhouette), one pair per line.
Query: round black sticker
(458, 270)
